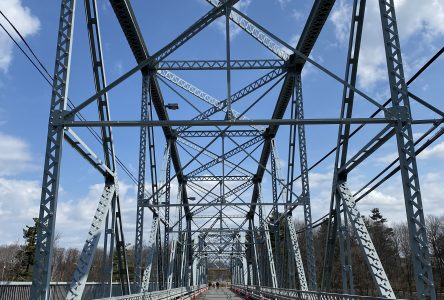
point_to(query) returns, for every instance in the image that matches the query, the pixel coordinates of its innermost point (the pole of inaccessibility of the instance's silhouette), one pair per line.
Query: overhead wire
(324, 218)
(48, 79)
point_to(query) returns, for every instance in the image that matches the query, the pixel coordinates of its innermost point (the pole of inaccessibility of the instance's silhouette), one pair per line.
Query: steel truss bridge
(231, 219)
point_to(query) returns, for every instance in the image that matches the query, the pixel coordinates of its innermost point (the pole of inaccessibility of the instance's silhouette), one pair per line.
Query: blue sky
(24, 99)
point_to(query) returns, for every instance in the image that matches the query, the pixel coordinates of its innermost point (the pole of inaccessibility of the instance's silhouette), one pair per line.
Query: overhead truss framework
(201, 183)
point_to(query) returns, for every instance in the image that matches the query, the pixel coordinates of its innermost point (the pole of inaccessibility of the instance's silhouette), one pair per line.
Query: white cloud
(283, 3)
(387, 158)
(15, 155)
(297, 15)
(18, 205)
(74, 215)
(423, 23)
(339, 17)
(22, 18)
(436, 151)
(234, 28)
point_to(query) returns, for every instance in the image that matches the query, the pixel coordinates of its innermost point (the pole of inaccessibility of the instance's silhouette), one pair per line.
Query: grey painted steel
(181, 292)
(127, 20)
(220, 64)
(236, 96)
(171, 265)
(89, 249)
(218, 123)
(258, 292)
(138, 244)
(97, 61)
(159, 55)
(219, 178)
(272, 266)
(275, 211)
(407, 158)
(220, 182)
(312, 28)
(354, 47)
(82, 148)
(311, 263)
(48, 203)
(185, 85)
(58, 290)
(217, 133)
(150, 258)
(296, 253)
(365, 243)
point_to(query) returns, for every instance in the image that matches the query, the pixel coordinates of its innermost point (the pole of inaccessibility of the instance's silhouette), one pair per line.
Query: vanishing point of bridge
(218, 159)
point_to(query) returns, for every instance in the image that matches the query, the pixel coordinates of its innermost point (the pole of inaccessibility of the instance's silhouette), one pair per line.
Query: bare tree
(435, 232)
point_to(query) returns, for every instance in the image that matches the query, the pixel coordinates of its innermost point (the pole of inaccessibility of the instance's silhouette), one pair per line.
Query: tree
(26, 254)
(435, 232)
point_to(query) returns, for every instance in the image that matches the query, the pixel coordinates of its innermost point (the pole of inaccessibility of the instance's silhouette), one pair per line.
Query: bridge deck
(218, 294)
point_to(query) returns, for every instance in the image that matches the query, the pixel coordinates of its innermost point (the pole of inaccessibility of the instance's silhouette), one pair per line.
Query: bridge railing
(182, 293)
(264, 293)
(58, 290)
(93, 290)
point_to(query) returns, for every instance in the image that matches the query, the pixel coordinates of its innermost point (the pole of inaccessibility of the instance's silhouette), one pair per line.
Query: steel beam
(318, 16)
(41, 275)
(365, 243)
(207, 65)
(406, 150)
(89, 249)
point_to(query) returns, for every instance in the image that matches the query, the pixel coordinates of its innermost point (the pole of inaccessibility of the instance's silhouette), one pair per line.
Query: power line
(48, 80)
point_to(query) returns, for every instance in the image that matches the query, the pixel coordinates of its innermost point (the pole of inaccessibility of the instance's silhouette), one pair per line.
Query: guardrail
(181, 293)
(264, 293)
(93, 290)
(21, 290)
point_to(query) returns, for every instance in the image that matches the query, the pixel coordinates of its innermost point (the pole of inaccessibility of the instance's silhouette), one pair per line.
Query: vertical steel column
(262, 252)
(229, 114)
(275, 213)
(245, 267)
(121, 249)
(48, 203)
(290, 182)
(255, 253)
(138, 245)
(171, 269)
(344, 249)
(274, 281)
(180, 243)
(108, 251)
(189, 272)
(184, 263)
(160, 260)
(151, 254)
(98, 66)
(167, 194)
(335, 222)
(311, 265)
(116, 230)
(406, 151)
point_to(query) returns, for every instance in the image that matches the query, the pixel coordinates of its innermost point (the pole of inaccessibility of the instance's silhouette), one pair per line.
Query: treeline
(391, 242)
(17, 260)
(393, 247)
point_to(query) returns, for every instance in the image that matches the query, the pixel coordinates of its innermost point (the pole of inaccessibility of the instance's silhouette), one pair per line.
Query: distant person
(217, 284)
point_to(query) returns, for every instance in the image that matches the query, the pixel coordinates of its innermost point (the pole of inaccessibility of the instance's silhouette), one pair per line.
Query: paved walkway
(219, 294)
